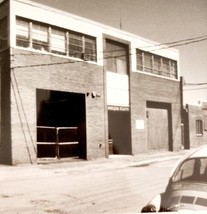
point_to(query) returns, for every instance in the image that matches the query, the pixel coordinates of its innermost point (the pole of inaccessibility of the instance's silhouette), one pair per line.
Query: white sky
(158, 20)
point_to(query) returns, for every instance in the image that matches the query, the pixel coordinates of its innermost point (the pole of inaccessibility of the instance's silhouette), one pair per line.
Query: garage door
(157, 126)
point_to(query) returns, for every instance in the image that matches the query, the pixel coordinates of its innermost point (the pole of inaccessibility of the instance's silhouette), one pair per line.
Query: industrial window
(40, 39)
(76, 45)
(90, 48)
(22, 33)
(116, 57)
(39, 36)
(3, 34)
(155, 64)
(58, 41)
(199, 127)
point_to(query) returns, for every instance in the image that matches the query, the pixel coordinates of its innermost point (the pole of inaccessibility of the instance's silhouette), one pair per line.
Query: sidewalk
(101, 164)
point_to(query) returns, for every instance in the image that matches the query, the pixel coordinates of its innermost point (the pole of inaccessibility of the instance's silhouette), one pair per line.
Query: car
(187, 186)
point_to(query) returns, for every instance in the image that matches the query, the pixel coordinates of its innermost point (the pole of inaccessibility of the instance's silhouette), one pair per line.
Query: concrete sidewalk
(101, 164)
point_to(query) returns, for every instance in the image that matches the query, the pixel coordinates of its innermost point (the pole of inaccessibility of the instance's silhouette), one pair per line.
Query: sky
(161, 21)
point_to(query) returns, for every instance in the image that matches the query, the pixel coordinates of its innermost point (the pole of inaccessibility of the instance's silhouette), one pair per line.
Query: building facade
(73, 87)
(195, 125)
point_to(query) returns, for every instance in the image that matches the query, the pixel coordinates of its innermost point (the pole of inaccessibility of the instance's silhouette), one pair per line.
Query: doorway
(120, 132)
(159, 126)
(61, 124)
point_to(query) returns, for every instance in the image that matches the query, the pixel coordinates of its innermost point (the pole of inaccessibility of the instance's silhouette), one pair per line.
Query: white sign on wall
(117, 89)
(139, 124)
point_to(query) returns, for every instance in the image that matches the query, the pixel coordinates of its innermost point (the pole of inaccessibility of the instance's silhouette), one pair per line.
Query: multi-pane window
(90, 48)
(3, 34)
(116, 57)
(148, 62)
(76, 45)
(199, 127)
(58, 41)
(22, 33)
(156, 64)
(40, 38)
(43, 37)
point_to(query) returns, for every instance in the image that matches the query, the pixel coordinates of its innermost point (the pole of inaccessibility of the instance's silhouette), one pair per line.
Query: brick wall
(145, 88)
(196, 113)
(43, 71)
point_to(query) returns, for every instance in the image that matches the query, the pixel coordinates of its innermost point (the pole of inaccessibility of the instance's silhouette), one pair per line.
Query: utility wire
(174, 44)
(181, 44)
(195, 84)
(194, 89)
(187, 41)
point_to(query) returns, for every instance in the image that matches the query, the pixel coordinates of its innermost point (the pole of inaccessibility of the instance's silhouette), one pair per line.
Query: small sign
(118, 108)
(140, 124)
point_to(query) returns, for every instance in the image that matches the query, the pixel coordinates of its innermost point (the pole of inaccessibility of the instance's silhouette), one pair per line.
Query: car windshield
(193, 169)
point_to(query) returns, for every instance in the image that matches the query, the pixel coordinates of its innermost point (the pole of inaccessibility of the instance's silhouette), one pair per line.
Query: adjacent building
(195, 125)
(72, 87)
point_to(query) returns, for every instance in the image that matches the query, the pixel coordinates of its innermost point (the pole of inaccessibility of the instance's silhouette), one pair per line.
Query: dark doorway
(120, 131)
(159, 124)
(61, 124)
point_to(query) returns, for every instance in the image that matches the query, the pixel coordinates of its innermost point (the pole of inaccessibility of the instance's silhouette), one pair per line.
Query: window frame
(58, 36)
(205, 123)
(191, 170)
(86, 50)
(199, 127)
(116, 56)
(158, 65)
(41, 39)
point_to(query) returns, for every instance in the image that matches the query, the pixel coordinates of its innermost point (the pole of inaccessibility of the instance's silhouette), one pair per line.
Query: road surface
(44, 189)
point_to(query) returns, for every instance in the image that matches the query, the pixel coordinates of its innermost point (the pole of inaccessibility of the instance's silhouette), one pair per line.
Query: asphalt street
(114, 185)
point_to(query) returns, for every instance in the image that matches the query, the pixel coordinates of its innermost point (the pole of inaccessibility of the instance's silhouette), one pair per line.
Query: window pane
(199, 127)
(192, 170)
(147, 62)
(22, 28)
(165, 67)
(90, 48)
(39, 32)
(40, 37)
(3, 33)
(187, 169)
(116, 57)
(22, 33)
(139, 60)
(157, 64)
(58, 41)
(75, 45)
(173, 69)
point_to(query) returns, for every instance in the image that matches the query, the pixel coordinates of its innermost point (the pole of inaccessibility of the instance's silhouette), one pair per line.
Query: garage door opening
(61, 124)
(159, 126)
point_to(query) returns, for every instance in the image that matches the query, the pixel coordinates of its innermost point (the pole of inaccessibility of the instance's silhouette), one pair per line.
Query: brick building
(195, 125)
(74, 87)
